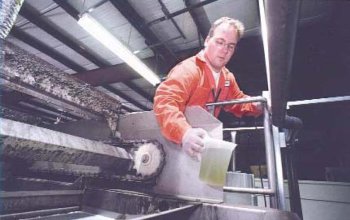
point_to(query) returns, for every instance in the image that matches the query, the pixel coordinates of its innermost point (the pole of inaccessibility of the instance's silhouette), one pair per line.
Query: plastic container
(215, 160)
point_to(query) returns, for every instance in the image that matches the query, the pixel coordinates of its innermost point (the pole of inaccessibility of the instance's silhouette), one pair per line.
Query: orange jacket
(191, 83)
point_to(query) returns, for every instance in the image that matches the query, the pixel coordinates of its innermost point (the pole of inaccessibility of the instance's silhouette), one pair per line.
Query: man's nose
(224, 48)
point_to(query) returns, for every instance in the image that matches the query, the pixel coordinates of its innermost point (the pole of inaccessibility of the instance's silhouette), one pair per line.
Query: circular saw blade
(149, 159)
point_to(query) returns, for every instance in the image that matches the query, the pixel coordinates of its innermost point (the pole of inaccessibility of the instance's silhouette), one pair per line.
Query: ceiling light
(112, 43)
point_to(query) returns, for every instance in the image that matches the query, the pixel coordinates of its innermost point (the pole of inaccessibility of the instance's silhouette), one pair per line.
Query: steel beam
(123, 96)
(189, 8)
(107, 75)
(75, 14)
(167, 13)
(34, 42)
(249, 190)
(239, 101)
(137, 22)
(34, 17)
(319, 101)
(199, 17)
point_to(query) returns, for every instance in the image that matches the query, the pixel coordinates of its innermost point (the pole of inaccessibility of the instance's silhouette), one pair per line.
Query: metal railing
(274, 167)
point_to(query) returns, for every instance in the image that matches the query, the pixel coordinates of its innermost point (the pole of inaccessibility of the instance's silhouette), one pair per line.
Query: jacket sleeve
(170, 101)
(239, 110)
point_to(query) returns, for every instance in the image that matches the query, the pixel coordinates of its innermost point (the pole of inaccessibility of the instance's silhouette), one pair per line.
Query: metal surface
(35, 184)
(30, 13)
(238, 179)
(239, 101)
(199, 17)
(14, 114)
(45, 212)
(281, 20)
(180, 175)
(131, 205)
(29, 142)
(318, 101)
(167, 13)
(293, 185)
(120, 204)
(273, 156)
(34, 42)
(176, 13)
(128, 202)
(149, 159)
(249, 190)
(64, 168)
(224, 211)
(47, 82)
(23, 201)
(244, 128)
(8, 13)
(172, 214)
(136, 20)
(281, 203)
(270, 159)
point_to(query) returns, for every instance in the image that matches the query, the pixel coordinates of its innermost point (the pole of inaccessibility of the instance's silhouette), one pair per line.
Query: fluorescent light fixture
(112, 43)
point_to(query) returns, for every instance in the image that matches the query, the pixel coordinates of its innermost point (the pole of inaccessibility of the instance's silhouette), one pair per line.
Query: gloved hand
(193, 142)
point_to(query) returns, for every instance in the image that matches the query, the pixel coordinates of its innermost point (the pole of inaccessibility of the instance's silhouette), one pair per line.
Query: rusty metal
(31, 75)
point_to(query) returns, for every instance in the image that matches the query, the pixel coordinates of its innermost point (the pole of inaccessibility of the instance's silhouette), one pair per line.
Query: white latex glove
(193, 142)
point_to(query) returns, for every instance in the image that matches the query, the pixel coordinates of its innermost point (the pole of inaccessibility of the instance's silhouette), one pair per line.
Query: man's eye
(231, 47)
(220, 42)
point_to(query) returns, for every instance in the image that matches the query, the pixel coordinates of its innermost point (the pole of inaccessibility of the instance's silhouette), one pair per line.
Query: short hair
(233, 22)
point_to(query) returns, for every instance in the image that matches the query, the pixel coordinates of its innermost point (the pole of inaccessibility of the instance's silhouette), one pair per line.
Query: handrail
(239, 101)
(270, 155)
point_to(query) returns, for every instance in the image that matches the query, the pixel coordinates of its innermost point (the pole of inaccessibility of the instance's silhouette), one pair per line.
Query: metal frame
(273, 142)
(318, 101)
(273, 156)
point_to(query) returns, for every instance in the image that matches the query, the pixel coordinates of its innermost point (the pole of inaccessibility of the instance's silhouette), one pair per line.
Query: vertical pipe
(279, 170)
(281, 22)
(270, 158)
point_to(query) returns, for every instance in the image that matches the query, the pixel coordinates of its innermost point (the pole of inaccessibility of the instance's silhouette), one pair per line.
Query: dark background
(321, 68)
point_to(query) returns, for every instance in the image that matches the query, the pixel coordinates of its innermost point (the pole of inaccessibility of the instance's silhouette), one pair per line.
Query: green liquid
(214, 164)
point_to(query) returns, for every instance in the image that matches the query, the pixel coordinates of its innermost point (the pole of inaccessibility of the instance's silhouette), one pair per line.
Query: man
(199, 80)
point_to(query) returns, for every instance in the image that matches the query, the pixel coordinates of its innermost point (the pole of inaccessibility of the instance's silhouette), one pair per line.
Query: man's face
(220, 47)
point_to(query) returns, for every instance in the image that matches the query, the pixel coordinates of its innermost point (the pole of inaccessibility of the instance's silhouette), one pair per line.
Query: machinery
(105, 165)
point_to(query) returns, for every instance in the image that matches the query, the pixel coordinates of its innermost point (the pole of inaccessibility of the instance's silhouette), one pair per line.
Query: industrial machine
(107, 165)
